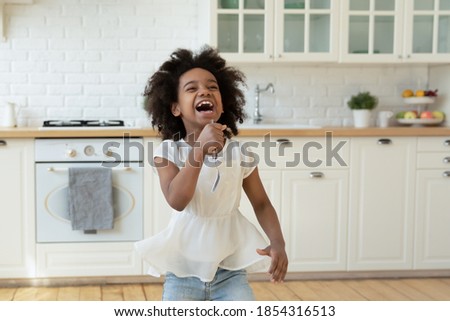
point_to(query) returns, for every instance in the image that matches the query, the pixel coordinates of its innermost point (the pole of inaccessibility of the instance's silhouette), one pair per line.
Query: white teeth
(204, 103)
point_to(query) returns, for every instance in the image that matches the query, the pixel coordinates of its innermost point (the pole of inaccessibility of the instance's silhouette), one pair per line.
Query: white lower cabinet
(307, 182)
(432, 239)
(17, 234)
(432, 236)
(314, 212)
(382, 180)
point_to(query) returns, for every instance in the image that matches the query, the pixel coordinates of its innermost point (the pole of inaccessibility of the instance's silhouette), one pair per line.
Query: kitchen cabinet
(387, 31)
(310, 194)
(432, 239)
(382, 180)
(270, 30)
(17, 234)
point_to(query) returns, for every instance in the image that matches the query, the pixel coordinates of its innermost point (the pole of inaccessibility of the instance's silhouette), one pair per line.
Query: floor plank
(342, 291)
(282, 291)
(303, 291)
(406, 289)
(153, 292)
(261, 292)
(435, 288)
(69, 293)
(26, 294)
(364, 289)
(112, 293)
(133, 292)
(46, 294)
(7, 294)
(90, 293)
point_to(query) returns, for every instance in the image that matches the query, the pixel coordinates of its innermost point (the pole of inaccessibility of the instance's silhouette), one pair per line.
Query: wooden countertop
(34, 132)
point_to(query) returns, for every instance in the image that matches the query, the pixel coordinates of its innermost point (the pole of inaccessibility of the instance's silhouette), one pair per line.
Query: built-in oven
(54, 157)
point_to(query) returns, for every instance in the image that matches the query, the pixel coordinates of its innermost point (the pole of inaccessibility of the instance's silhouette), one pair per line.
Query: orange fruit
(420, 93)
(407, 93)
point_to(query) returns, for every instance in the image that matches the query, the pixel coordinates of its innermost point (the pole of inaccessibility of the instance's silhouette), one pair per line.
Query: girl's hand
(278, 267)
(211, 138)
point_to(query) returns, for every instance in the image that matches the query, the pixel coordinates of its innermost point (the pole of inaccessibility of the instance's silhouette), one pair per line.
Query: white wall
(91, 58)
(440, 78)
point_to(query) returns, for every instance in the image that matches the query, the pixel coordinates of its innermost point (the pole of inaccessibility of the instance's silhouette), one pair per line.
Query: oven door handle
(64, 169)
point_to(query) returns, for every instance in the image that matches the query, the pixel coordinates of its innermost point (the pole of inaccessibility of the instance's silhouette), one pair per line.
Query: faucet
(257, 117)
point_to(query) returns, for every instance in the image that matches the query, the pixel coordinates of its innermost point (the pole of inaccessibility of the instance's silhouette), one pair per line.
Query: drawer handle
(3, 143)
(446, 174)
(384, 141)
(316, 175)
(446, 160)
(447, 142)
(284, 141)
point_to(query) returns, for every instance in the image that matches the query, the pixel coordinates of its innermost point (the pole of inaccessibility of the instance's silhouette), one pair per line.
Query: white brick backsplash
(47, 78)
(5, 66)
(92, 59)
(83, 78)
(100, 90)
(27, 90)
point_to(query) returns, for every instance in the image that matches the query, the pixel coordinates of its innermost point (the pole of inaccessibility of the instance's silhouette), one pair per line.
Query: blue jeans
(226, 286)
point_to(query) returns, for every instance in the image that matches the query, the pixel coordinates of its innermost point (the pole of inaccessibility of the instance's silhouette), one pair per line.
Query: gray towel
(90, 198)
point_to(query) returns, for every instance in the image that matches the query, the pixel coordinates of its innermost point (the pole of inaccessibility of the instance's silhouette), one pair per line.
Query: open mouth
(204, 106)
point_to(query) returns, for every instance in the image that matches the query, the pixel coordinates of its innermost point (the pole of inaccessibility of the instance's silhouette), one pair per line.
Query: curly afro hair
(161, 91)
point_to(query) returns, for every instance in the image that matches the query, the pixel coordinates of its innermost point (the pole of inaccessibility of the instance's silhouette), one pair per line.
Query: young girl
(195, 101)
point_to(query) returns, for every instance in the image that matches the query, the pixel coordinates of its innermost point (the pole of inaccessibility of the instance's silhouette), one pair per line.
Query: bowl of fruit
(420, 99)
(426, 117)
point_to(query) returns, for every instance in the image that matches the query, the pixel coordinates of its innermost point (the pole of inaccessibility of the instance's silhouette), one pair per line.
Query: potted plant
(361, 104)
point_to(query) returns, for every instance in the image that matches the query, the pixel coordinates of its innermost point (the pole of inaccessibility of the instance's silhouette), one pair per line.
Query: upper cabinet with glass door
(306, 30)
(372, 30)
(395, 31)
(273, 30)
(428, 35)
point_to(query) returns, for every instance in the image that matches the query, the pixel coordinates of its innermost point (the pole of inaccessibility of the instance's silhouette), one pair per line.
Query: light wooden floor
(420, 289)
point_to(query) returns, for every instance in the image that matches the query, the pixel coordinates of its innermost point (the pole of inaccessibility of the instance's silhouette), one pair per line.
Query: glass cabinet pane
(254, 33)
(294, 33)
(319, 38)
(444, 34)
(358, 35)
(423, 4)
(444, 5)
(294, 4)
(228, 4)
(228, 32)
(359, 5)
(384, 35)
(423, 34)
(384, 5)
(254, 4)
(320, 4)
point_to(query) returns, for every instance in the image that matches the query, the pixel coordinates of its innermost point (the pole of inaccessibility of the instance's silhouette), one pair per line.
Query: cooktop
(83, 123)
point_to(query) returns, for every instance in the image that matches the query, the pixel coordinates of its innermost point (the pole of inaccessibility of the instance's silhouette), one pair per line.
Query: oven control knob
(89, 150)
(71, 153)
(108, 153)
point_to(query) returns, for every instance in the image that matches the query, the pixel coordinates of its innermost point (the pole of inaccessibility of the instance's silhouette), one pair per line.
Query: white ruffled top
(210, 232)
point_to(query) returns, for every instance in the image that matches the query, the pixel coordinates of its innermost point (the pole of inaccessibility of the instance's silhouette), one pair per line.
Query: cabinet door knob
(316, 175)
(384, 141)
(3, 143)
(447, 142)
(446, 174)
(446, 160)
